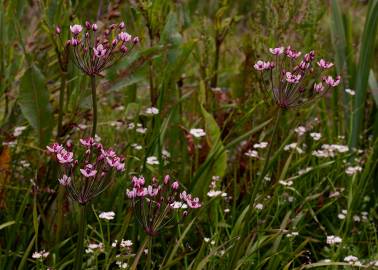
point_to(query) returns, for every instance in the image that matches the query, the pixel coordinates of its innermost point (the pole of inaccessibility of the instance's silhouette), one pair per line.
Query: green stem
(94, 105)
(267, 159)
(139, 254)
(81, 236)
(61, 105)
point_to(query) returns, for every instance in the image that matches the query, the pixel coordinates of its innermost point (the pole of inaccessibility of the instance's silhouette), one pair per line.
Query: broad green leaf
(34, 103)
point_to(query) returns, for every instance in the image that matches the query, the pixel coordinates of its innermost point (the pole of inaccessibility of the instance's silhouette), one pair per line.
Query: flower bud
(58, 30)
(88, 25)
(94, 27)
(124, 49)
(166, 179)
(121, 25)
(136, 40)
(114, 42)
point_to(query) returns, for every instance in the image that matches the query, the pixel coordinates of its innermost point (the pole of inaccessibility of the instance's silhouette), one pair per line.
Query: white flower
(197, 132)
(316, 136)
(260, 145)
(286, 183)
(332, 240)
(107, 215)
(152, 160)
(356, 218)
(40, 255)
(293, 146)
(300, 130)
(206, 239)
(141, 130)
(252, 153)
(353, 170)
(152, 111)
(126, 243)
(122, 265)
(214, 193)
(178, 205)
(350, 92)
(351, 259)
(292, 234)
(18, 131)
(94, 247)
(341, 216)
(259, 206)
(136, 146)
(227, 210)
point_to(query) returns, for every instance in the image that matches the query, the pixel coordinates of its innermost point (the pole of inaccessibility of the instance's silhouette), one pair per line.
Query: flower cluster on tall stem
(94, 52)
(155, 203)
(292, 83)
(89, 175)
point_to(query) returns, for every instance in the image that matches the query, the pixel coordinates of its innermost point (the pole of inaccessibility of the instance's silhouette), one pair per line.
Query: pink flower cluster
(92, 171)
(287, 80)
(94, 52)
(157, 200)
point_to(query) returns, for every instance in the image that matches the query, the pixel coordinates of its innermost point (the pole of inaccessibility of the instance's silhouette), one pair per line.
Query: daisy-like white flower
(107, 215)
(197, 132)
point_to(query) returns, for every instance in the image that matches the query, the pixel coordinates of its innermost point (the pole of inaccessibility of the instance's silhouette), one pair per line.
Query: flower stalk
(94, 106)
(81, 237)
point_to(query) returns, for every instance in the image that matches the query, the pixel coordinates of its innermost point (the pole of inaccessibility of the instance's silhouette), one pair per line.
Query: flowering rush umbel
(154, 204)
(93, 51)
(89, 175)
(292, 81)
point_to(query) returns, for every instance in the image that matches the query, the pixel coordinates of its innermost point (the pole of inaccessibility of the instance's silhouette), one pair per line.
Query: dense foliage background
(194, 63)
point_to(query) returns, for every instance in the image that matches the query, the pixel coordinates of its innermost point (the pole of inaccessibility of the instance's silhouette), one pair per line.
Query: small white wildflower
(267, 178)
(94, 247)
(197, 132)
(212, 242)
(344, 211)
(341, 216)
(141, 130)
(178, 205)
(126, 243)
(301, 130)
(131, 126)
(353, 170)
(259, 206)
(356, 218)
(136, 146)
(207, 240)
(252, 153)
(40, 255)
(114, 244)
(152, 111)
(260, 145)
(286, 183)
(214, 193)
(293, 146)
(224, 194)
(18, 130)
(107, 215)
(292, 234)
(316, 136)
(226, 210)
(334, 194)
(350, 92)
(120, 108)
(332, 240)
(152, 160)
(351, 259)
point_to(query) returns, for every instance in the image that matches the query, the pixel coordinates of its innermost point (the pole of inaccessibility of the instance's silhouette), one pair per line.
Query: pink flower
(191, 202)
(64, 156)
(65, 180)
(88, 171)
(166, 179)
(76, 29)
(318, 87)
(99, 51)
(74, 42)
(324, 64)
(136, 40)
(131, 193)
(304, 65)
(94, 27)
(332, 82)
(125, 37)
(309, 56)
(292, 53)
(88, 142)
(121, 25)
(138, 182)
(277, 51)
(151, 191)
(292, 78)
(261, 65)
(54, 148)
(175, 185)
